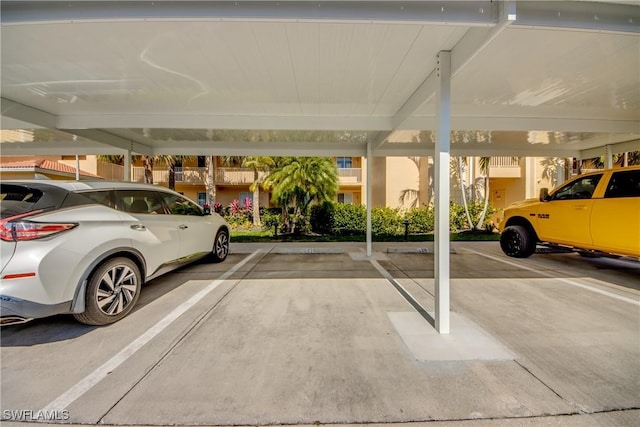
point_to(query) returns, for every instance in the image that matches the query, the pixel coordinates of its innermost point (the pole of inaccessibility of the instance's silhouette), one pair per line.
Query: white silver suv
(86, 248)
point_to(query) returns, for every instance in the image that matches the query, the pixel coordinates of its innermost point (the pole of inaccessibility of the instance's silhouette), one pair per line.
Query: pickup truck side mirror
(544, 194)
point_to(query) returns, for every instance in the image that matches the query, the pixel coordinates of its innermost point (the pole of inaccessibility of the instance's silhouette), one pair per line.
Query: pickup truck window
(624, 184)
(579, 189)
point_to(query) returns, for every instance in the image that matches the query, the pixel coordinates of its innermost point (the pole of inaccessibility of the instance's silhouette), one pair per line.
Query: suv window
(101, 197)
(179, 205)
(581, 188)
(139, 201)
(17, 199)
(624, 184)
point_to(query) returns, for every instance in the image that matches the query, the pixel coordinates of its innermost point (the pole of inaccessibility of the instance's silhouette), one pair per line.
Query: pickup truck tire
(518, 242)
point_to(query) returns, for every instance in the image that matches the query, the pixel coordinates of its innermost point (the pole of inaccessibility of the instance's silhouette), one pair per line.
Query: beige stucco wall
(402, 174)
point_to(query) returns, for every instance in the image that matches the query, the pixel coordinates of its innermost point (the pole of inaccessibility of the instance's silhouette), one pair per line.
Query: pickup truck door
(615, 219)
(565, 217)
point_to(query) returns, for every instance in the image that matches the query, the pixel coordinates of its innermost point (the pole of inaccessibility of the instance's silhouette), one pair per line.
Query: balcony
(184, 175)
(348, 176)
(504, 167)
(228, 176)
(235, 176)
(110, 171)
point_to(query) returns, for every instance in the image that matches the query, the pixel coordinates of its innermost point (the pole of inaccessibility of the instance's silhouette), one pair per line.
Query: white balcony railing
(350, 175)
(504, 162)
(193, 175)
(231, 176)
(110, 171)
(234, 176)
(504, 167)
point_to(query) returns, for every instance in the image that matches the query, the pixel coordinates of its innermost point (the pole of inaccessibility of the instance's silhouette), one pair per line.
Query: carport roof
(529, 78)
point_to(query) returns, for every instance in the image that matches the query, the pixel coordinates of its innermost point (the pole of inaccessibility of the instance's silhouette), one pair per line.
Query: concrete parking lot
(319, 334)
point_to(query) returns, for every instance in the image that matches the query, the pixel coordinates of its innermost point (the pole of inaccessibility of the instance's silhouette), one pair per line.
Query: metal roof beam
(580, 15)
(112, 140)
(310, 149)
(57, 148)
(27, 114)
(619, 147)
(438, 12)
(209, 121)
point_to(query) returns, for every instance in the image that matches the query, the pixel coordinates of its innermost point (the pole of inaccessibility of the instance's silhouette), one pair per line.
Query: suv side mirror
(206, 209)
(544, 194)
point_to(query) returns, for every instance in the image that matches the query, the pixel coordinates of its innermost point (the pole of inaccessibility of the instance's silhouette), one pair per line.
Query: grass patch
(253, 236)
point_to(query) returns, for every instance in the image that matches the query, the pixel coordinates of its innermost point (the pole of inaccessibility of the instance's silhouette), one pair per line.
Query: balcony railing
(230, 176)
(350, 175)
(504, 162)
(192, 175)
(504, 167)
(110, 171)
(235, 176)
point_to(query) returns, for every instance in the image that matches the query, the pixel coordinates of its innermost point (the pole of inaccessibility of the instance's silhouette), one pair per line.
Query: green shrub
(475, 210)
(457, 217)
(421, 220)
(349, 220)
(270, 217)
(322, 218)
(386, 221)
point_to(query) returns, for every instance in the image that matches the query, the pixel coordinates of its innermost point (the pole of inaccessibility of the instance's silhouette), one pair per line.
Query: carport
(325, 78)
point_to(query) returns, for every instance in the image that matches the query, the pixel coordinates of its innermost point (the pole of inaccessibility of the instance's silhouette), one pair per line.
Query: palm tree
(210, 183)
(299, 181)
(484, 164)
(257, 164)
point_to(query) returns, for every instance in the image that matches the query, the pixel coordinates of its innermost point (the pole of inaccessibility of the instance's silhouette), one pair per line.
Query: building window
(345, 198)
(243, 196)
(344, 162)
(202, 198)
(202, 162)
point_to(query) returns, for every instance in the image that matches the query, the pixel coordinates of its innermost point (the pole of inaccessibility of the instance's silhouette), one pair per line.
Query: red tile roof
(44, 165)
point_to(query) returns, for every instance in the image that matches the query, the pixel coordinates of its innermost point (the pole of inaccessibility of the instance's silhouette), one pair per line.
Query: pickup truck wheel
(518, 242)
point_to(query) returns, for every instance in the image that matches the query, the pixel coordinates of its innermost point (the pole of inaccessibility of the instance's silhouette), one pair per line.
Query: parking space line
(84, 385)
(404, 293)
(562, 279)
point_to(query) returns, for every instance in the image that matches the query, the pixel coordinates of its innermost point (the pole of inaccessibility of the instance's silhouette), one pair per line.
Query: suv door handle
(138, 227)
(183, 227)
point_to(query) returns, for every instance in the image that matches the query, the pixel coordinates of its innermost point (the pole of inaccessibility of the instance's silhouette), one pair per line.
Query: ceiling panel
(188, 70)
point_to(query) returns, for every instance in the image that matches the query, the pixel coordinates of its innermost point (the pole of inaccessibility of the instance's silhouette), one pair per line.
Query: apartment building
(399, 182)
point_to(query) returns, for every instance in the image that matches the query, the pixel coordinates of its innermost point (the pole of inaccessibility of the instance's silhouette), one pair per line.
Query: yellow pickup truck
(593, 213)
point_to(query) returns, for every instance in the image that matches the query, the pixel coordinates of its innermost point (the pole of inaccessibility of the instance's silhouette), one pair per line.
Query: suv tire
(112, 292)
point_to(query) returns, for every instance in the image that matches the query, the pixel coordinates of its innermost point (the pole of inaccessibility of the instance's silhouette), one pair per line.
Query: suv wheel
(517, 241)
(112, 291)
(221, 246)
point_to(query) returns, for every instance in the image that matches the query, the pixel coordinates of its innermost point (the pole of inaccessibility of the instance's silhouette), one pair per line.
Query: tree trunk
(210, 184)
(172, 177)
(256, 199)
(464, 192)
(148, 170)
(486, 203)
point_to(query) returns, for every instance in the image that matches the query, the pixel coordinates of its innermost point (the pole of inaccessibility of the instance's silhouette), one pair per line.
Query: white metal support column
(369, 192)
(608, 153)
(560, 172)
(442, 188)
(127, 166)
